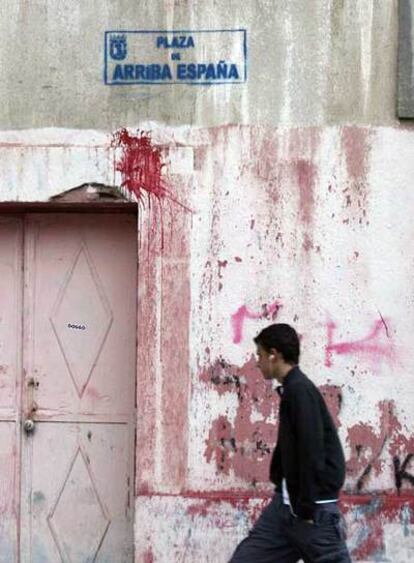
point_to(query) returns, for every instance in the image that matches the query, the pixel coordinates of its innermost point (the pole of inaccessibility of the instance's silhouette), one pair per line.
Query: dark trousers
(278, 536)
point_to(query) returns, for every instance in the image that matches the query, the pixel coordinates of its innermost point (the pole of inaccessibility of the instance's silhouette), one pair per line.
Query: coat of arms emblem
(118, 47)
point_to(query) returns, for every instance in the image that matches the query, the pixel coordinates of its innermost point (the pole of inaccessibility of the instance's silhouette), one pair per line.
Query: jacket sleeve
(307, 422)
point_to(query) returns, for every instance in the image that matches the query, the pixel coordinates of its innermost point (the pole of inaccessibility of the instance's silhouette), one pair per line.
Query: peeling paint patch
(333, 398)
(244, 446)
(367, 445)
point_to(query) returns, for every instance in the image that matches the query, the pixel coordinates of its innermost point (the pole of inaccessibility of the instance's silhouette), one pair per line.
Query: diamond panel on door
(81, 319)
(91, 521)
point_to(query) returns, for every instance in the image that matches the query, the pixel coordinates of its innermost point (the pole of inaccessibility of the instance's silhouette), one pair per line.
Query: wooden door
(78, 389)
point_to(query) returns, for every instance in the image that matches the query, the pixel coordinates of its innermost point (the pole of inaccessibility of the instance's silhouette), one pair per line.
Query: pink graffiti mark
(371, 345)
(243, 313)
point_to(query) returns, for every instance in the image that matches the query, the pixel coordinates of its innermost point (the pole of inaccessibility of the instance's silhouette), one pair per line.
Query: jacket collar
(291, 376)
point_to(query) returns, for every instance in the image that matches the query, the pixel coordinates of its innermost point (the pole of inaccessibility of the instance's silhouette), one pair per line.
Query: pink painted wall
(239, 226)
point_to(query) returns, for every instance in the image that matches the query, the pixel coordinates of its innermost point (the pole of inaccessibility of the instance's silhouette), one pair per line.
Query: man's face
(265, 362)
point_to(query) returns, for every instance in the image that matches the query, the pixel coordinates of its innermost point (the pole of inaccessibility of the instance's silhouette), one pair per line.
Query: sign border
(191, 82)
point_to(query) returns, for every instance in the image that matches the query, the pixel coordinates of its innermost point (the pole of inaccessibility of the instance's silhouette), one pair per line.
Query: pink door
(78, 389)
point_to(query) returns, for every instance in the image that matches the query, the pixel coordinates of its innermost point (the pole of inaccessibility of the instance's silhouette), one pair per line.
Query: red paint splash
(243, 313)
(140, 165)
(372, 345)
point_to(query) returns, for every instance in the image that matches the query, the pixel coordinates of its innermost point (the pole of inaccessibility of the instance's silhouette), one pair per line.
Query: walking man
(303, 520)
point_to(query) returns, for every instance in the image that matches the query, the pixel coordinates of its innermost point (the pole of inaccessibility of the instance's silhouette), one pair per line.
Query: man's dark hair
(283, 338)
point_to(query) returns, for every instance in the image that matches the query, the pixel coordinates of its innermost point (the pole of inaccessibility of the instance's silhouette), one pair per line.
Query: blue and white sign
(176, 57)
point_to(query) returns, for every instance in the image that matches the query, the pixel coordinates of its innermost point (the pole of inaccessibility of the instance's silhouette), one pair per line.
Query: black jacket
(308, 453)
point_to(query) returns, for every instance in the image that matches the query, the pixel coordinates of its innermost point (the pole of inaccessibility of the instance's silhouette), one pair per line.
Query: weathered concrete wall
(300, 211)
(309, 63)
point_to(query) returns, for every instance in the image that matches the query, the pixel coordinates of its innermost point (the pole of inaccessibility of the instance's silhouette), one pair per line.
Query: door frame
(20, 210)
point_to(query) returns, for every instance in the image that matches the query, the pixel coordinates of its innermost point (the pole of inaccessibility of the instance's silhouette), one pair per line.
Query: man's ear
(273, 353)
